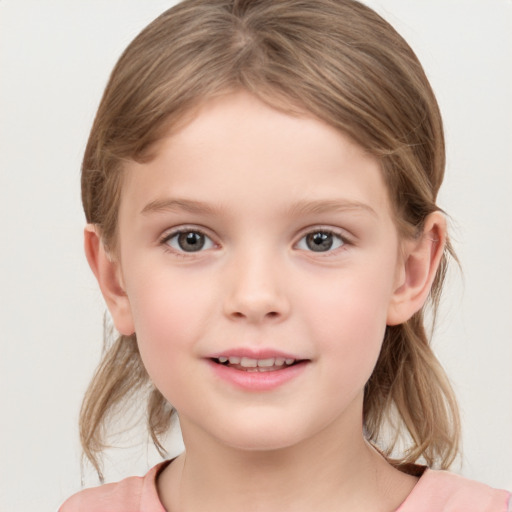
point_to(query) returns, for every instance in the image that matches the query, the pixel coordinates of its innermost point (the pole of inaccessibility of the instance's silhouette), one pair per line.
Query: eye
(320, 241)
(188, 241)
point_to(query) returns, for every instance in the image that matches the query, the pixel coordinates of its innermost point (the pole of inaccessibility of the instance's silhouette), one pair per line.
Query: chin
(262, 444)
(263, 438)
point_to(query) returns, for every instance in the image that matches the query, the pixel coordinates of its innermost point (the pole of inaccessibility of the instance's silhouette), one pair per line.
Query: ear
(421, 258)
(109, 276)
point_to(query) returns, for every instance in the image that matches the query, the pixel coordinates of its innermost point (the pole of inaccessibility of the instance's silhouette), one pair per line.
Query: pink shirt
(436, 491)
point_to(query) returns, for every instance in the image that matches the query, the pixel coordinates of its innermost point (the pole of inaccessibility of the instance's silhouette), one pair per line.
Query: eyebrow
(300, 208)
(330, 205)
(163, 205)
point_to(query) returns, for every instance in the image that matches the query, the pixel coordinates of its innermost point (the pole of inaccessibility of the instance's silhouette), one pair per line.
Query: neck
(324, 473)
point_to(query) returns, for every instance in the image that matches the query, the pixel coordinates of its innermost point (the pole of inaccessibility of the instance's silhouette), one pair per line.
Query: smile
(249, 364)
(257, 369)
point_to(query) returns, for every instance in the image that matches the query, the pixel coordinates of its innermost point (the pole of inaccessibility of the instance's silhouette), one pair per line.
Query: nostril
(272, 314)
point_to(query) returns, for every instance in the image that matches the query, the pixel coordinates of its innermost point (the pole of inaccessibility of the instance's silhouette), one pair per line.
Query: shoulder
(121, 496)
(441, 491)
(133, 494)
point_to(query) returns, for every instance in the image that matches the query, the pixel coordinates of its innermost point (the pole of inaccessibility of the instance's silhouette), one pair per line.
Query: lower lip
(257, 381)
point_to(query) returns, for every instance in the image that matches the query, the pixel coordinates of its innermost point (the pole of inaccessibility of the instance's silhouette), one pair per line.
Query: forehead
(234, 148)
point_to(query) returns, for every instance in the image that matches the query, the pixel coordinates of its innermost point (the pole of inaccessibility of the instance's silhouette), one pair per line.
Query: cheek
(167, 317)
(348, 318)
(355, 301)
(165, 303)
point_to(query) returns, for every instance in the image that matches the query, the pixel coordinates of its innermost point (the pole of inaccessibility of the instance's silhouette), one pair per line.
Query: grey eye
(189, 241)
(320, 241)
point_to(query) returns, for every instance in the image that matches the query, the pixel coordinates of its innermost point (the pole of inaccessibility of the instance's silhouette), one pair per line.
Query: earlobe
(417, 271)
(108, 274)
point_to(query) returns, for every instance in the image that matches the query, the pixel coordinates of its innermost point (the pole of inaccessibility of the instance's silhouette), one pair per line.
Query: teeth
(248, 362)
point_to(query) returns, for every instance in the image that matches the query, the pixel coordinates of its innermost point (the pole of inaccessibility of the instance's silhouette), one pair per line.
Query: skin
(256, 181)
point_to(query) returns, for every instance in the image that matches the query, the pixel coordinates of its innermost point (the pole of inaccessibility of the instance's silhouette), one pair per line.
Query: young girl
(260, 189)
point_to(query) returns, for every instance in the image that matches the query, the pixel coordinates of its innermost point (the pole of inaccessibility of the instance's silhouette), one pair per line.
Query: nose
(256, 290)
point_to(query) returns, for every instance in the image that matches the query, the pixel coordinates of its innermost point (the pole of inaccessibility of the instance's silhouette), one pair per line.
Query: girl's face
(259, 259)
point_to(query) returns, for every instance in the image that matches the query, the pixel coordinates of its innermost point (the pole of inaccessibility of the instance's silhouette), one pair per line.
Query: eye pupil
(319, 241)
(191, 241)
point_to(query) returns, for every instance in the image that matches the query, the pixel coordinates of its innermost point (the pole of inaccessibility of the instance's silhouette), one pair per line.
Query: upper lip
(263, 353)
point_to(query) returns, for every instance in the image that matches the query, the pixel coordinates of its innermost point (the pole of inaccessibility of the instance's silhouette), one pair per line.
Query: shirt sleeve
(123, 496)
(133, 494)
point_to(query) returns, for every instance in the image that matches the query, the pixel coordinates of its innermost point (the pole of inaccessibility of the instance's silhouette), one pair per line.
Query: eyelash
(164, 241)
(343, 241)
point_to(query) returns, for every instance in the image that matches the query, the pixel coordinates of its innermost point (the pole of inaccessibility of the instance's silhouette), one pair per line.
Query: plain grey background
(55, 58)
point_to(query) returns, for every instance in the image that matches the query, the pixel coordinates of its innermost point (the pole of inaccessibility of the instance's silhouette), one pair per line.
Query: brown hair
(337, 60)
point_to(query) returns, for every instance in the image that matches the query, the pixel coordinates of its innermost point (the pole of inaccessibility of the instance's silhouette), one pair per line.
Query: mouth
(250, 365)
(255, 371)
